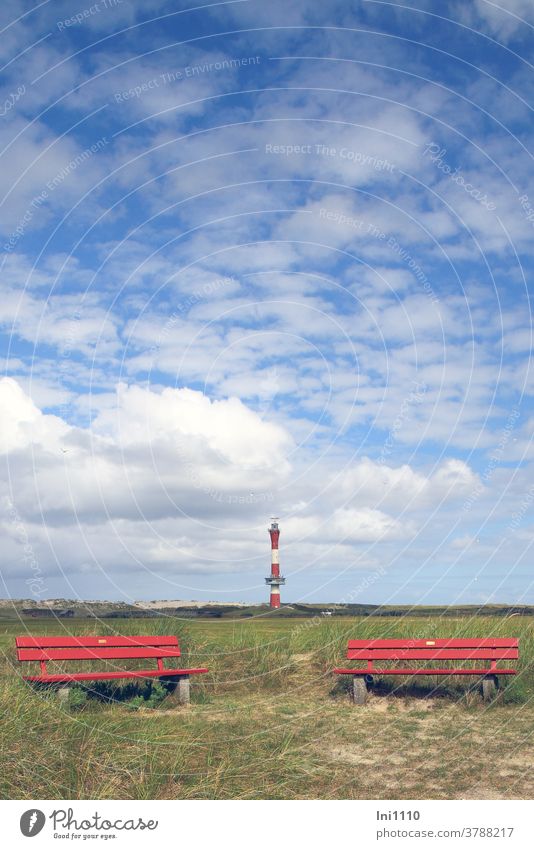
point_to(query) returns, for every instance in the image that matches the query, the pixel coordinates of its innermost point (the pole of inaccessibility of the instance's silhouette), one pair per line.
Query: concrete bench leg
(63, 695)
(489, 687)
(359, 689)
(181, 693)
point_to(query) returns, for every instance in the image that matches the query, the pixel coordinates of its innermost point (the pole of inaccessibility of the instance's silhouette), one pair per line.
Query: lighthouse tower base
(275, 581)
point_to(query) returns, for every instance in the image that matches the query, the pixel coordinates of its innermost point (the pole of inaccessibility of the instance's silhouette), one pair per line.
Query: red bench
(110, 649)
(371, 651)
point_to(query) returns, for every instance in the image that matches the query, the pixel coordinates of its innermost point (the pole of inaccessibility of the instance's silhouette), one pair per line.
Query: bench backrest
(117, 647)
(489, 648)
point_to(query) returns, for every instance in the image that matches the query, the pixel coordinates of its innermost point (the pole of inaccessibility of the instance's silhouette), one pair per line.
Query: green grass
(271, 721)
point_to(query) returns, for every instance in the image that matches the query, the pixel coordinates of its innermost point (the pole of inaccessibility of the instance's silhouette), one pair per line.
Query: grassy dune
(271, 721)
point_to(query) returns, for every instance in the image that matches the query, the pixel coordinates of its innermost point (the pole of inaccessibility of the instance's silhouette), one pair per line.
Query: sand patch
(393, 704)
(362, 757)
(481, 792)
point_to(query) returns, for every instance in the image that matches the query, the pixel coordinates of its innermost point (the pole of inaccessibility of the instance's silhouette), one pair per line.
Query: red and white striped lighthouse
(275, 579)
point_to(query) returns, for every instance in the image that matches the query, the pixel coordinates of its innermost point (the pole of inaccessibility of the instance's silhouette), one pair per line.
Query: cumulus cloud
(348, 525)
(149, 449)
(229, 429)
(23, 425)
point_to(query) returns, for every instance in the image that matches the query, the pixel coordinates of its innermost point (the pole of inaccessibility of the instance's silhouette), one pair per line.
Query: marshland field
(270, 720)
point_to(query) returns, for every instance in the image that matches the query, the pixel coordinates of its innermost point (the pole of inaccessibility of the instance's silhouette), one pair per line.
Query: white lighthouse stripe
(275, 556)
(275, 590)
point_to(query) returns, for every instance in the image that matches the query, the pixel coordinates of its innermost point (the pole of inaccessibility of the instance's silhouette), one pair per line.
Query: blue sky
(267, 259)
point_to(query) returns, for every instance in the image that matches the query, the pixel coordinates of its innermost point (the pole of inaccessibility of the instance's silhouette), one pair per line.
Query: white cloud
(149, 455)
(347, 525)
(22, 424)
(232, 431)
(502, 20)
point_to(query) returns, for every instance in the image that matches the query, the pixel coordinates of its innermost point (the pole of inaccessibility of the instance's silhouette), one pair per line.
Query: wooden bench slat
(459, 643)
(68, 641)
(62, 678)
(433, 654)
(97, 653)
(473, 671)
